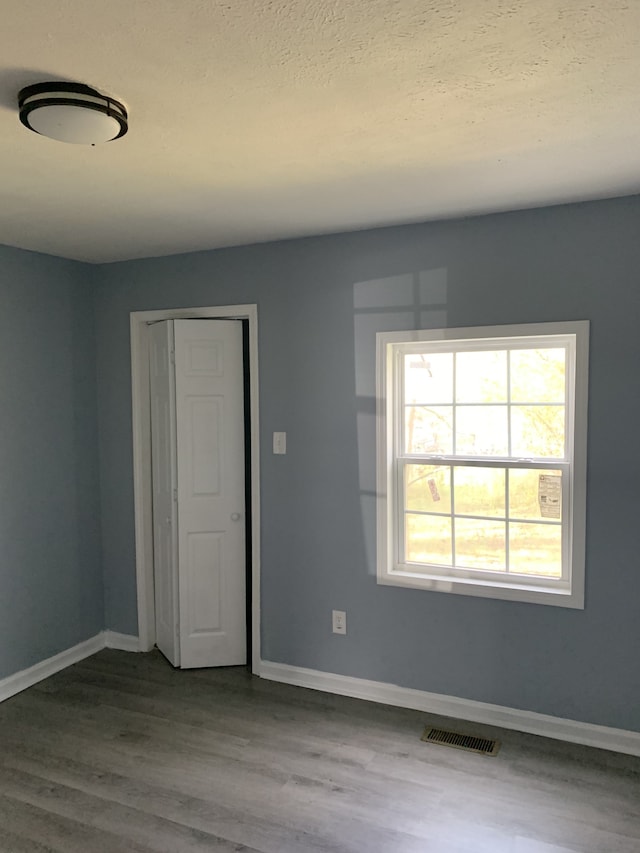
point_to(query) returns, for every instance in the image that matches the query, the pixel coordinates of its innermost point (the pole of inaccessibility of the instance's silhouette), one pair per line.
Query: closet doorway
(194, 605)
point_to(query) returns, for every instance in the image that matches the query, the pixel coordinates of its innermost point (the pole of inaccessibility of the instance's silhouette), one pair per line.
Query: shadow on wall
(410, 301)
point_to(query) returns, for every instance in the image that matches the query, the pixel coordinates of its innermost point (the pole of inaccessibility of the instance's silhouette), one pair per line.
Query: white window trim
(569, 594)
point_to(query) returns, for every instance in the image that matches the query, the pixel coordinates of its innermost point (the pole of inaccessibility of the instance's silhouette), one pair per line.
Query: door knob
(235, 516)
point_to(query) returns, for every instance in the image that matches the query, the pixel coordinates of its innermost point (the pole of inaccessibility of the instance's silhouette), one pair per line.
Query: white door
(210, 563)
(164, 482)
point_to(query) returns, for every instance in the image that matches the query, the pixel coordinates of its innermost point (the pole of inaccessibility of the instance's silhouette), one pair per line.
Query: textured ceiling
(254, 121)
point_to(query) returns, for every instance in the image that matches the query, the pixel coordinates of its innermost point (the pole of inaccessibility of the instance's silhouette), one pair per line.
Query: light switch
(280, 442)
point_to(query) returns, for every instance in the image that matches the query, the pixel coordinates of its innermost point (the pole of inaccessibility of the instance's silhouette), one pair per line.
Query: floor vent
(481, 745)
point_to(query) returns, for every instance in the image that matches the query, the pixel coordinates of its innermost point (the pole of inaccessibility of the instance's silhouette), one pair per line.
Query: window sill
(528, 593)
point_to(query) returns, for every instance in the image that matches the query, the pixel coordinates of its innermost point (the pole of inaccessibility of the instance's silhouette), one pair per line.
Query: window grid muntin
(454, 405)
(403, 352)
(453, 462)
(509, 439)
(452, 488)
(515, 519)
(507, 505)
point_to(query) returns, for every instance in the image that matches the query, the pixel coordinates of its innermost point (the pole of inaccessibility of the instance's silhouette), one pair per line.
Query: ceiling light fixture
(72, 112)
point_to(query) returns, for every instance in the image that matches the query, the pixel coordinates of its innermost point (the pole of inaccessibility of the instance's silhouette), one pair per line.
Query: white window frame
(390, 346)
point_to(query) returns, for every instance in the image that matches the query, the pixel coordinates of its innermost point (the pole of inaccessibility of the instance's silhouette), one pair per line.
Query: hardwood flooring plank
(528, 845)
(197, 812)
(12, 843)
(56, 833)
(290, 817)
(132, 827)
(314, 769)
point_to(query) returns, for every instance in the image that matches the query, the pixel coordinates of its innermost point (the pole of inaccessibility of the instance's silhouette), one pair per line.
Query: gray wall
(51, 594)
(320, 302)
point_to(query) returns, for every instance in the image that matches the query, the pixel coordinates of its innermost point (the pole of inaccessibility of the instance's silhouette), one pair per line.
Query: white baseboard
(124, 642)
(19, 681)
(602, 737)
(574, 731)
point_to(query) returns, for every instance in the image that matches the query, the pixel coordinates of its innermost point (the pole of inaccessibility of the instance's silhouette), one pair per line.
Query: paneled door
(208, 577)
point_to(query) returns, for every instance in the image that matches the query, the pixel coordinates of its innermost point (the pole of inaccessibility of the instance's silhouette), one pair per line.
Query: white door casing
(164, 486)
(211, 503)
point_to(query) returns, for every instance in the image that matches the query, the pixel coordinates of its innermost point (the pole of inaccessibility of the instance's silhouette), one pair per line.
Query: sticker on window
(433, 488)
(549, 494)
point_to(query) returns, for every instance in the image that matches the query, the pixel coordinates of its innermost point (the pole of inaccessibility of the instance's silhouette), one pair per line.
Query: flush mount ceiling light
(72, 112)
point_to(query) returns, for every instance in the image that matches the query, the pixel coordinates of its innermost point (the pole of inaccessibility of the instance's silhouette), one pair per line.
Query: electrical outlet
(339, 621)
(280, 443)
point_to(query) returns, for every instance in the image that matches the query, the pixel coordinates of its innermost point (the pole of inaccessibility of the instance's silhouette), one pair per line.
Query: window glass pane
(479, 491)
(428, 539)
(538, 375)
(428, 378)
(481, 431)
(429, 429)
(537, 431)
(535, 549)
(535, 494)
(481, 377)
(480, 544)
(428, 488)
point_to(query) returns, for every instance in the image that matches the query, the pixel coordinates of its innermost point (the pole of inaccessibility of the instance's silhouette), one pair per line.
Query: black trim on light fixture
(78, 95)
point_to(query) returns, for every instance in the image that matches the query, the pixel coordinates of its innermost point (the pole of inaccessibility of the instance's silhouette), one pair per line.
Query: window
(482, 461)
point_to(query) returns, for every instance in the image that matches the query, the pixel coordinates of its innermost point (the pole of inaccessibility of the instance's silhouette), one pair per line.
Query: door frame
(141, 412)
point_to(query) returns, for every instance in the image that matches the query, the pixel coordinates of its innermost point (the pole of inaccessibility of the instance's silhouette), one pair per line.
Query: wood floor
(122, 753)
